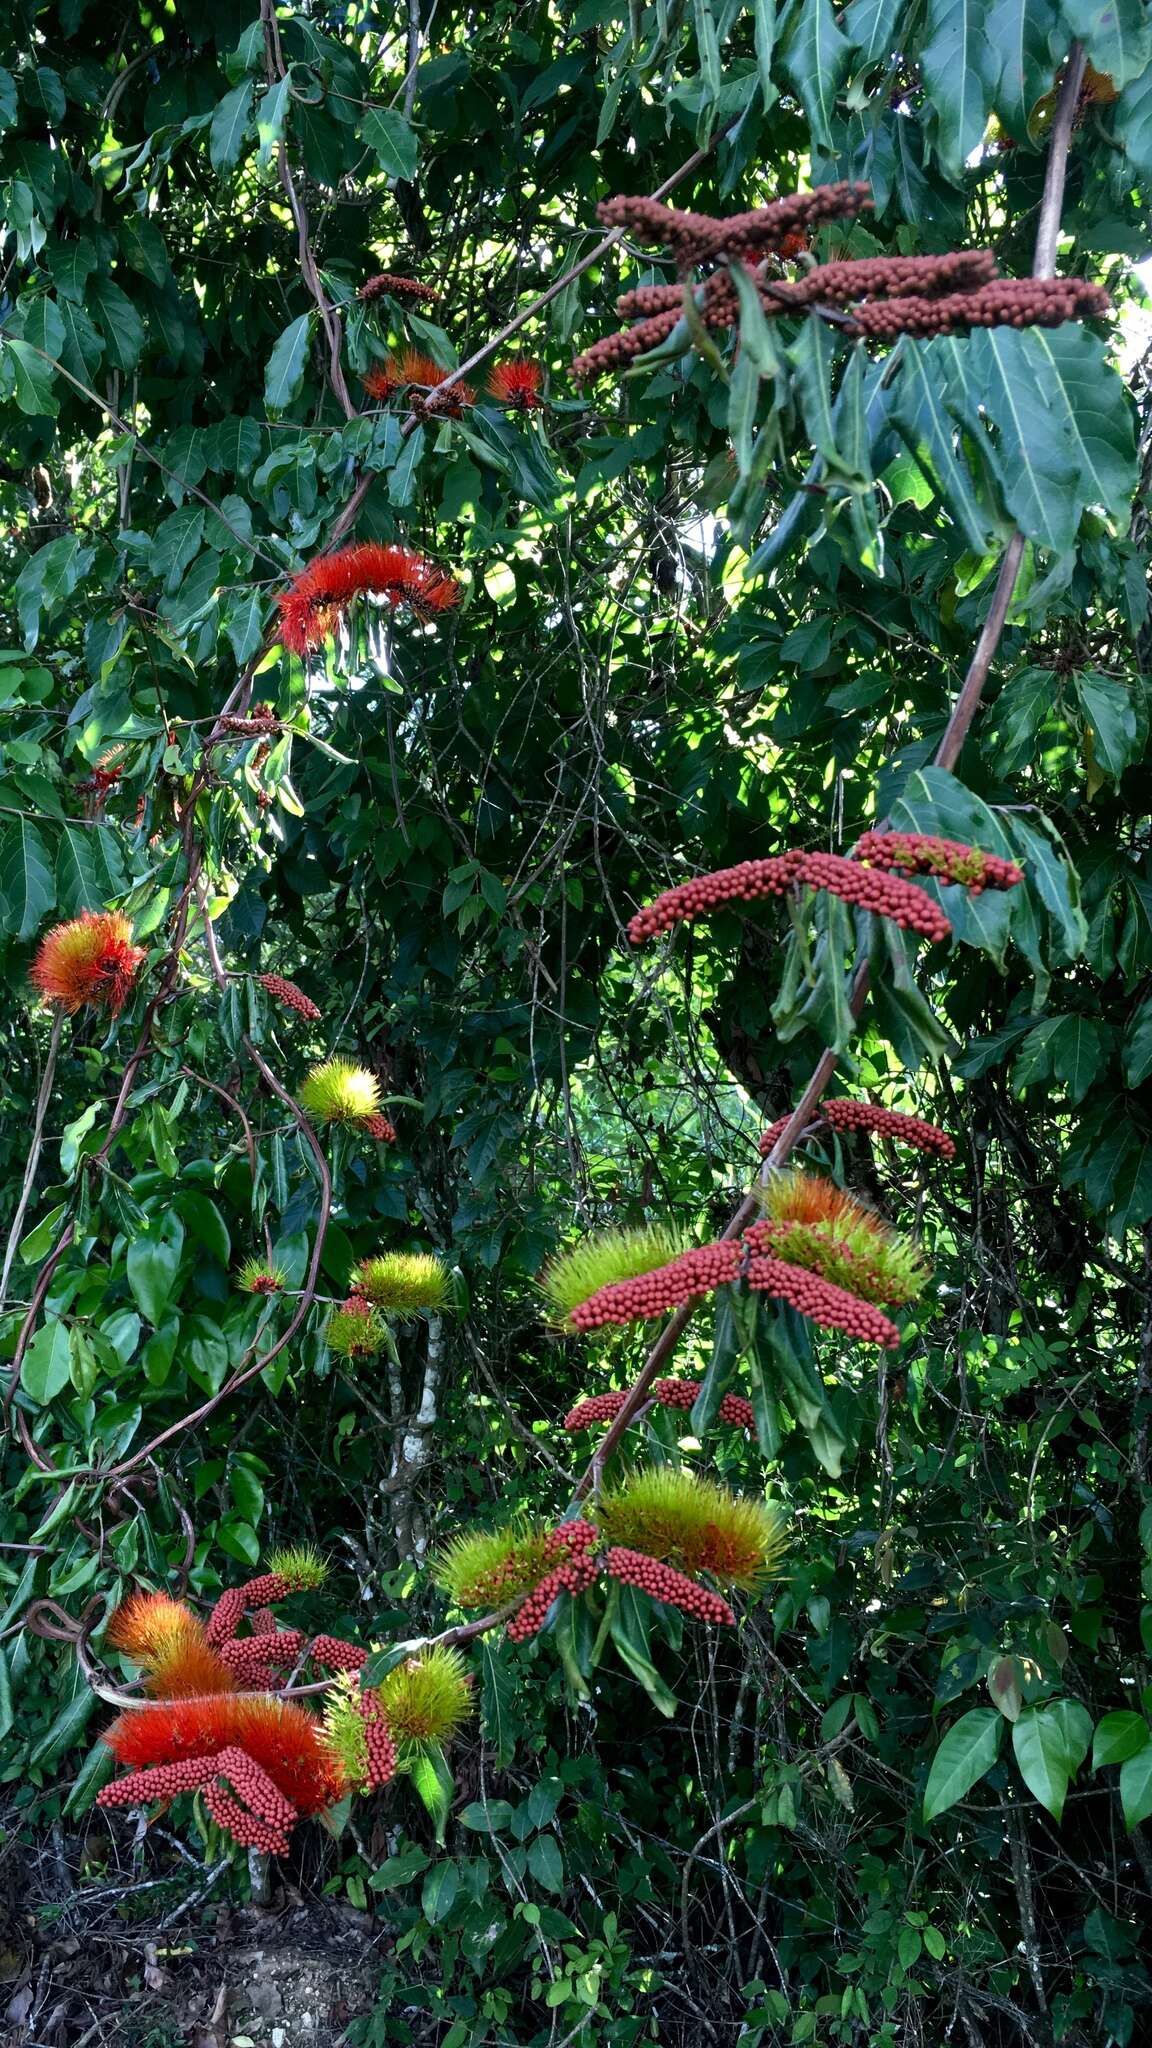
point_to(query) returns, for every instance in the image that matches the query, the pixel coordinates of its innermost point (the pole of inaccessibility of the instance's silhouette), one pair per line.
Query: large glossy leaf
(967, 1753)
(959, 68)
(27, 885)
(1117, 34)
(1024, 36)
(285, 372)
(817, 60)
(921, 411)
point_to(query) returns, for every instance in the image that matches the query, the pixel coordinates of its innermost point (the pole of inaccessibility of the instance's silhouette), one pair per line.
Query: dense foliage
(709, 611)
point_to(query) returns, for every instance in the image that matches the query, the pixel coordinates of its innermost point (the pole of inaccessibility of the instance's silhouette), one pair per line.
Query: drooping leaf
(967, 1753)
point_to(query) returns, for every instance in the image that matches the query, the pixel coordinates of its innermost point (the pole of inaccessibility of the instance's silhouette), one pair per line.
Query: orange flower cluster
(751, 880)
(664, 1582)
(517, 383)
(293, 998)
(317, 598)
(946, 860)
(843, 1114)
(90, 960)
(686, 1278)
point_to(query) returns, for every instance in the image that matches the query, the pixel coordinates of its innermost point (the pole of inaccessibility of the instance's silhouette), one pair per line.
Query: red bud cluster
(293, 998)
(571, 1539)
(597, 1408)
(1006, 302)
(574, 1576)
(378, 1743)
(379, 1127)
(264, 1822)
(869, 889)
(663, 1582)
(832, 1307)
(259, 723)
(686, 1278)
(335, 1654)
(402, 288)
(843, 1114)
(694, 236)
(227, 1615)
(948, 860)
(253, 1658)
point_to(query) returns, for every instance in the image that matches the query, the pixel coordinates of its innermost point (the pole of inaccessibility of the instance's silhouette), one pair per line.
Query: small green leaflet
(394, 141)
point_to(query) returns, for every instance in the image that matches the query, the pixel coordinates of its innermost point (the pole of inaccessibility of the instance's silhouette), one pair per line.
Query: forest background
(708, 613)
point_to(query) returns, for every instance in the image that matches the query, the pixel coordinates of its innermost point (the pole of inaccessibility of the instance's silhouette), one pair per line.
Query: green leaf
(439, 1891)
(959, 67)
(546, 1862)
(89, 869)
(629, 1631)
(65, 1731)
(97, 1768)
(1136, 1787)
(1110, 713)
(1119, 1736)
(47, 1364)
(1020, 34)
(44, 582)
(920, 411)
(27, 886)
(1136, 1056)
(230, 124)
(152, 1264)
(817, 60)
(487, 1817)
(1132, 123)
(1046, 1755)
(32, 379)
(271, 114)
(966, 1754)
(118, 321)
(872, 27)
(497, 1701)
(394, 141)
(398, 1870)
(435, 1788)
(1117, 35)
(285, 372)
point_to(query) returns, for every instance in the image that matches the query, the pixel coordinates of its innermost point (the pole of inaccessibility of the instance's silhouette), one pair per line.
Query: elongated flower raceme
(286, 993)
(752, 881)
(406, 289)
(339, 1092)
(91, 960)
(832, 1307)
(379, 1127)
(357, 1732)
(608, 1257)
(946, 860)
(696, 1525)
(663, 1582)
(687, 1278)
(844, 1114)
(599, 1408)
(317, 598)
(517, 384)
(404, 1284)
(811, 1222)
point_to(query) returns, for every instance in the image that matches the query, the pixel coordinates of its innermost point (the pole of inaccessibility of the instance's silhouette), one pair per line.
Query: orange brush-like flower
(517, 383)
(283, 1739)
(89, 960)
(315, 600)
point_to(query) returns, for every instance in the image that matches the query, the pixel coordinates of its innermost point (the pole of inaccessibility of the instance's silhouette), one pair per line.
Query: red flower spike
(402, 288)
(266, 1590)
(749, 882)
(314, 602)
(947, 860)
(885, 896)
(597, 1408)
(335, 1654)
(663, 1582)
(279, 1737)
(266, 1819)
(687, 1278)
(293, 998)
(91, 960)
(379, 1746)
(227, 1615)
(518, 384)
(833, 1308)
(251, 1658)
(574, 1576)
(379, 1127)
(844, 1114)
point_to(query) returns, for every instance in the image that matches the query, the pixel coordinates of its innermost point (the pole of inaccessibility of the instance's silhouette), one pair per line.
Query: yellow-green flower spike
(301, 1566)
(339, 1092)
(403, 1284)
(426, 1699)
(486, 1567)
(696, 1525)
(574, 1276)
(261, 1276)
(815, 1224)
(355, 1330)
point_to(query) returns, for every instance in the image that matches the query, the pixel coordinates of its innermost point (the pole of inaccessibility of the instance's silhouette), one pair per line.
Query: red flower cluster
(277, 1740)
(873, 890)
(89, 960)
(316, 599)
(337, 1655)
(518, 384)
(379, 1127)
(663, 1582)
(844, 1114)
(832, 1307)
(378, 1743)
(264, 1822)
(253, 1659)
(947, 860)
(577, 1573)
(597, 1408)
(402, 288)
(686, 1278)
(293, 998)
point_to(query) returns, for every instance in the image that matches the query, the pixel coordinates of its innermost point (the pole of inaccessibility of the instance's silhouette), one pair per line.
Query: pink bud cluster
(662, 1582)
(575, 1575)
(293, 998)
(846, 1115)
(571, 1539)
(686, 1278)
(227, 1615)
(253, 1659)
(379, 1127)
(822, 1302)
(948, 860)
(264, 1822)
(868, 889)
